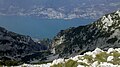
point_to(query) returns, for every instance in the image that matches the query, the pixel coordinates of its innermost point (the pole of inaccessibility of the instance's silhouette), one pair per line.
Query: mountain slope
(104, 33)
(14, 46)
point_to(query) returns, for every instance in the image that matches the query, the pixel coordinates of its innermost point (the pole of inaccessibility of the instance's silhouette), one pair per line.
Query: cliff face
(14, 46)
(103, 33)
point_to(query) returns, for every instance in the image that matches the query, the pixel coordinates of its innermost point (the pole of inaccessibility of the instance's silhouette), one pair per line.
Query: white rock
(76, 58)
(79, 61)
(95, 64)
(118, 12)
(105, 64)
(57, 61)
(88, 53)
(110, 50)
(110, 58)
(85, 61)
(97, 51)
(80, 66)
(118, 50)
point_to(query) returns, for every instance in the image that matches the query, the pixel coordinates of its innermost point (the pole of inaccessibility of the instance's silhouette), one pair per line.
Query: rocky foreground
(96, 58)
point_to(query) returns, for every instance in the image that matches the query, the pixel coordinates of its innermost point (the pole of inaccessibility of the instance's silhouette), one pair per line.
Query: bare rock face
(103, 33)
(14, 46)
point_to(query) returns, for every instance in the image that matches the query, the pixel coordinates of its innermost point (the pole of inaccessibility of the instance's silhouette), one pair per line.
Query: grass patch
(83, 64)
(101, 57)
(116, 59)
(89, 58)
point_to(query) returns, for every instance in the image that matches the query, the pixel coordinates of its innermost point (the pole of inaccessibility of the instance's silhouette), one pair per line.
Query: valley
(103, 34)
(59, 33)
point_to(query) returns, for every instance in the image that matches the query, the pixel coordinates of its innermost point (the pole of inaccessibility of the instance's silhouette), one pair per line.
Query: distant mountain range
(54, 9)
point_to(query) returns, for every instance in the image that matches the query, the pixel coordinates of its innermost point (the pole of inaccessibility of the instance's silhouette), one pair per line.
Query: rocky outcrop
(96, 58)
(103, 33)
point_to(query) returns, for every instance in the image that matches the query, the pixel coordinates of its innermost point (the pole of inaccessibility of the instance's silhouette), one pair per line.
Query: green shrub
(116, 59)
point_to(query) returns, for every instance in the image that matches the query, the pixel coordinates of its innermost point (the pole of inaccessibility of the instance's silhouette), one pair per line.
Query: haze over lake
(39, 28)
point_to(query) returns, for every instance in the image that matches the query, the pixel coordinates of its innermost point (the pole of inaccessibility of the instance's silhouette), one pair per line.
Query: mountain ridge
(16, 47)
(68, 9)
(103, 33)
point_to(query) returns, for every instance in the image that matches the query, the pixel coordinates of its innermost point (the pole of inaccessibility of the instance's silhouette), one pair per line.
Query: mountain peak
(109, 21)
(118, 12)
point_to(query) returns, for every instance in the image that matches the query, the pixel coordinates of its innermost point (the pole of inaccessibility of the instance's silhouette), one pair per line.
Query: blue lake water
(39, 28)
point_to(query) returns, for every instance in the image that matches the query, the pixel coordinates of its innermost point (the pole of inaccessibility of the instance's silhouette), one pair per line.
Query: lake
(39, 28)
